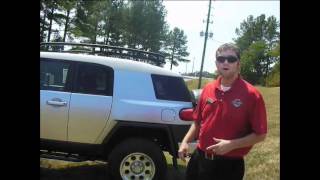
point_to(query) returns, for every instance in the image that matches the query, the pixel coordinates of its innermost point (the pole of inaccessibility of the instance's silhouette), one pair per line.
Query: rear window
(170, 88)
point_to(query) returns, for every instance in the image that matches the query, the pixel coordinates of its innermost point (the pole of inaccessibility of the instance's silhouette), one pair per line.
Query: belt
(212, 156)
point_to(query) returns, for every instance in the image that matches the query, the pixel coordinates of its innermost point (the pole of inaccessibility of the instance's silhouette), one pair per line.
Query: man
(229, 119)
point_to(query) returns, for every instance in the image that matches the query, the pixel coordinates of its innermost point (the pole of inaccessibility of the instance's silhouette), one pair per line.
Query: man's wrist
(233, 144)
(184, 142)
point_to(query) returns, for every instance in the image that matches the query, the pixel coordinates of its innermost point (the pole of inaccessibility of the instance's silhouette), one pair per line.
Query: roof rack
(105, 50)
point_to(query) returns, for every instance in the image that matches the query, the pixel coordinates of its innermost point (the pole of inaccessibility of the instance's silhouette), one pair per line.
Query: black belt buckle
(209, 156)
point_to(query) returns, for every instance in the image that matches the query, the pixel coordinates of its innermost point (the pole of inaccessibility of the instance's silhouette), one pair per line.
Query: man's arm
(224, 146)
(248, 140)
(190, 136)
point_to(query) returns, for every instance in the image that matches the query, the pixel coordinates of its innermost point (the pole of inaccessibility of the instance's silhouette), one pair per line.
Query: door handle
(56, 102)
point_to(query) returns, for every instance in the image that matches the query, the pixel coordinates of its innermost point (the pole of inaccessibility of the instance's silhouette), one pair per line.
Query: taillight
(186, 114)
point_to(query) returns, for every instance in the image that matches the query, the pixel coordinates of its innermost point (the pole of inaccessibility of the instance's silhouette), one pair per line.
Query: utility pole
(192, 65)
(186, 67)
(205, 44)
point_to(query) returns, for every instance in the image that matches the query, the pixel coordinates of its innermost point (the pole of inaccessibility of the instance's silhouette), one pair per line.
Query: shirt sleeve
(258, 117)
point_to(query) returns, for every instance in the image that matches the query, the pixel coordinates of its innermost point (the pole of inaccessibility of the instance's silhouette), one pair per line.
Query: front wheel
(137, 159)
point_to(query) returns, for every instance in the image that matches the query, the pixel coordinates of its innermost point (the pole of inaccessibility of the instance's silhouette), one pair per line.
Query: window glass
(170, 88)
(94, 79)
(53, 75)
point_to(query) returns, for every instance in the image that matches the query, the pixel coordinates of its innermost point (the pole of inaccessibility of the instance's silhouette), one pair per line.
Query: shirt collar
(217, 83)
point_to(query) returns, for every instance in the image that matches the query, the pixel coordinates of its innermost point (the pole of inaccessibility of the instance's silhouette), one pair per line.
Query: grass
(59, 164)
(262, 163)
(193, 84)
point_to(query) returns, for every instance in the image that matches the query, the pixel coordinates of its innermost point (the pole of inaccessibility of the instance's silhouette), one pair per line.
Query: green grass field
(193, 84)
(262, 163)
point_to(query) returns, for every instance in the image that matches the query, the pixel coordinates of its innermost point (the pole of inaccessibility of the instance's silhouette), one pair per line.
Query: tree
(43, 23)
(67, 6)
(47, 9)
(273, 79)
(114, 23)
(175, 47)
(133, 24)
(57, 38)
(257, 37)
(145, 25)
(257, 29)
(155, 24)
(252, 60)
(54, 11)
(89, 19)
(50, 10)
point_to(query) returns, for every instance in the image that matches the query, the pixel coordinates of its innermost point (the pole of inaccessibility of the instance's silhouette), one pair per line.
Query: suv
(110, 109)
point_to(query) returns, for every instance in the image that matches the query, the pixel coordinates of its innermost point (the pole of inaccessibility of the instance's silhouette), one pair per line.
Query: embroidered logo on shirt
(237, 103)
(210, 101)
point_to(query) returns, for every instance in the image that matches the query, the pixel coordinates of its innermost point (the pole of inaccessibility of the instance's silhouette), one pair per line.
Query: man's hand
(222, 147)
(183, 151)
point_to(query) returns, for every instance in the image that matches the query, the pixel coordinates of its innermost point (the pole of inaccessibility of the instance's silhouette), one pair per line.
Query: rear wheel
(137, 159)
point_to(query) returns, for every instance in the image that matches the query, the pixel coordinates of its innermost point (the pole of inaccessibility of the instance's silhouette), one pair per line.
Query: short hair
(229, 46)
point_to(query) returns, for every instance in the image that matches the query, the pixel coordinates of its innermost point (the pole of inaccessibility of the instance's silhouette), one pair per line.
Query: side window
(94, 79)
(170, 88)
(53, 75)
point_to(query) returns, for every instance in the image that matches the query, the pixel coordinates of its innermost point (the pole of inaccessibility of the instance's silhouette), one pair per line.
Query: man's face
(228, 64)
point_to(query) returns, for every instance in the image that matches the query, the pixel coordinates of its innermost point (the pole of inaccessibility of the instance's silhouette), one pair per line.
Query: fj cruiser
(116, 110)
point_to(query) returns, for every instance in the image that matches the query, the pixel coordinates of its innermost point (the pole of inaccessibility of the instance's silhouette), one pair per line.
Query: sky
(226, 16)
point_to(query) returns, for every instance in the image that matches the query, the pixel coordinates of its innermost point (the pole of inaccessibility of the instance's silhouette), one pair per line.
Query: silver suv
(119, 111)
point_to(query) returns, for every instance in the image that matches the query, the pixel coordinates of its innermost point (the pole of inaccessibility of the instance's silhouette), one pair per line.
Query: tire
(137, 159)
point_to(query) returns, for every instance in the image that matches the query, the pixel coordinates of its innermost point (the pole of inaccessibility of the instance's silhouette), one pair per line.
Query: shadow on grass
(95, 172)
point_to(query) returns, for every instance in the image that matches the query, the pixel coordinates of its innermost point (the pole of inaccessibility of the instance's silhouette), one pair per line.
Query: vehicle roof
(115, 63)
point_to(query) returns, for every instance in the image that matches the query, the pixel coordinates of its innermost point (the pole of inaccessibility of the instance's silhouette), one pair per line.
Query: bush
(273, 79)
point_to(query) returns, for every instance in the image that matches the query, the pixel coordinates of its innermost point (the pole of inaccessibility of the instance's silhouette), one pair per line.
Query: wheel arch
(160, 134)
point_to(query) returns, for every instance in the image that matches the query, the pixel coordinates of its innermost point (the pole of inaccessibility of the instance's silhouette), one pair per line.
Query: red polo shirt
(230, 115)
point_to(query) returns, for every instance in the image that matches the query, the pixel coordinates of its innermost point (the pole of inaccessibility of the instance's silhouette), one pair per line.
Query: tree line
(125, 23)
(142, 25)
(259, 41)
